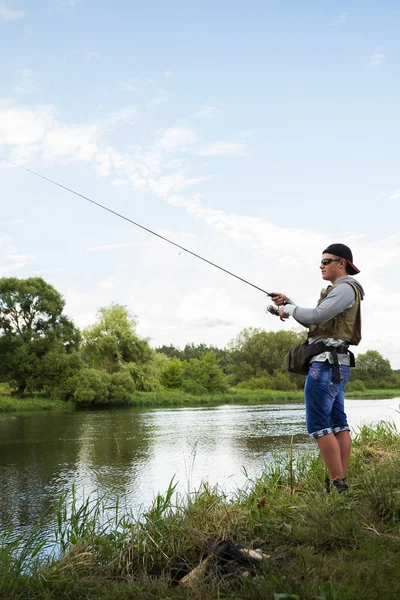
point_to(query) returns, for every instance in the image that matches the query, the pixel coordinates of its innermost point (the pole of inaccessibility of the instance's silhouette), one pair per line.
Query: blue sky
(253, 133)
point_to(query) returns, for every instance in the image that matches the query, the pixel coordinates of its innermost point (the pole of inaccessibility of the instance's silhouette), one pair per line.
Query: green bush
(5, 389)
(193, 387)
(91, 387)
(172, 375)
(205, 371)
(355, 386)
(282, 381)
(121, 388)
(59, 367)
(144, 378)
(279, 381)
(257, 383)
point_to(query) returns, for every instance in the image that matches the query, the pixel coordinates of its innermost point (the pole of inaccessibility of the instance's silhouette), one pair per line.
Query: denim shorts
(324, 400)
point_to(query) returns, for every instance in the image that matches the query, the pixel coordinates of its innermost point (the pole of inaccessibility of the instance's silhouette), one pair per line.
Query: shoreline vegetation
(180, 399)
(300, 542)
(47, 362)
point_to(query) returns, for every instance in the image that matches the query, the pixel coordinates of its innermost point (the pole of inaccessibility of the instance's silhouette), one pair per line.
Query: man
(334, 324)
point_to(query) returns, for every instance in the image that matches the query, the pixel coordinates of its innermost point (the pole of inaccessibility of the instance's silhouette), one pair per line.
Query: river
(132, 454)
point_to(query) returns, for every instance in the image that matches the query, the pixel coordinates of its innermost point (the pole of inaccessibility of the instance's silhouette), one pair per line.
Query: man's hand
(282, 313)
(278, 298)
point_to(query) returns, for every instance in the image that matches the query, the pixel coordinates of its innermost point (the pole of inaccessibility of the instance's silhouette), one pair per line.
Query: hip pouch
(298, 359)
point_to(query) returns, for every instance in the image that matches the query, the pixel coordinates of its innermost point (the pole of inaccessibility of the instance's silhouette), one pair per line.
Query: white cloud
(223, 148)
(177, 138)
(194, 308)
(377, 58)
(395, 195)
(7, 14)
(10, 260)
(29, 131)
(22, 126)
(66, 142)
(74, 295)
(106, 284)
(13, 262)
(211, 322)
(126, 115)
(262, 234)
(26, 84)
(162, 167)
(113, 246)
(164, 186)
(167, 74)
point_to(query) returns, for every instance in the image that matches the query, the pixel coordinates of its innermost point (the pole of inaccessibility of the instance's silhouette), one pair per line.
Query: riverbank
(176, 398)
(10, 404)
(311, 545)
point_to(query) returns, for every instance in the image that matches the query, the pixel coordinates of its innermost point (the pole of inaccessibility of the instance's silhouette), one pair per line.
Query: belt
(335, 350)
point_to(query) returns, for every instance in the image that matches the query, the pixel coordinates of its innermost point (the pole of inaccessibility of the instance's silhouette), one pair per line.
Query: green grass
(319, 546)
(233, 396)
(378, 394)
(31, 404)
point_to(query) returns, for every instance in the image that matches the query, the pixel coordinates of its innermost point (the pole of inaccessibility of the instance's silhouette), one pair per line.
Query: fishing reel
(273, 310)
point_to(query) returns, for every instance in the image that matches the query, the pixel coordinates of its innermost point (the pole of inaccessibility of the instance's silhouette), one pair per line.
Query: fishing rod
(271, 309)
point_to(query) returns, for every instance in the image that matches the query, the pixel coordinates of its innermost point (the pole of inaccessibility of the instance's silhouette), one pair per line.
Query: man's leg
(344, 441)
(339, 420)
(331, 453)
(322, 404)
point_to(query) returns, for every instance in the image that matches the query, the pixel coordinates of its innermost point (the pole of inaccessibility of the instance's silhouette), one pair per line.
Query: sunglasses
(327, 261)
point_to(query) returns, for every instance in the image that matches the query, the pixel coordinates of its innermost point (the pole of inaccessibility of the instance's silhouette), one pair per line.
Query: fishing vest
(346, 325)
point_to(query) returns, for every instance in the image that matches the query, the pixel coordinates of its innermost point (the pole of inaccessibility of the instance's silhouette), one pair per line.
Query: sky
(253, 134)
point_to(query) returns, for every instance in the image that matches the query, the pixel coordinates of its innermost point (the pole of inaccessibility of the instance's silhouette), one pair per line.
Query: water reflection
(133, 454)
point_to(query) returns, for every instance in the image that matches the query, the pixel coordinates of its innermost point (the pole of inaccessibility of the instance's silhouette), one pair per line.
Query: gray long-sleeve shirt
(339, 299)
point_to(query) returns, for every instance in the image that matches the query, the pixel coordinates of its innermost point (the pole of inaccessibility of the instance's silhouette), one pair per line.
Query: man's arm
(339, 299)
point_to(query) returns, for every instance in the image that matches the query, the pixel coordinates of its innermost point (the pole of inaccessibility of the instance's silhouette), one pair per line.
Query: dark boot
(340, 484)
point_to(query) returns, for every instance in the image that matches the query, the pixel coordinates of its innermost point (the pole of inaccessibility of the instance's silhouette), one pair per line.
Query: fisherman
(332, 325)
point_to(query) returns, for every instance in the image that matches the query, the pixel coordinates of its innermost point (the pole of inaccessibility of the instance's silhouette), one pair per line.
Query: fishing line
(64, 187)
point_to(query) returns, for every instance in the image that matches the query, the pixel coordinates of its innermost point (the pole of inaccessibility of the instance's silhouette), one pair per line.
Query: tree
(256, 353)
(170, 351)
(112, 341)
(112, 345)
(121, 387)
(205, 372)
(172, 375)
(91, 386)
(198, 350)
(191, 351)
(33, 333)
(372, 368)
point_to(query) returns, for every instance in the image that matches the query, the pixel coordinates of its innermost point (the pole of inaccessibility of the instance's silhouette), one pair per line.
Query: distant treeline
(42, 351)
